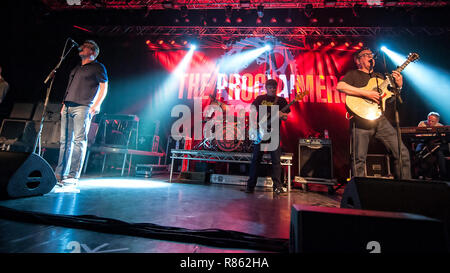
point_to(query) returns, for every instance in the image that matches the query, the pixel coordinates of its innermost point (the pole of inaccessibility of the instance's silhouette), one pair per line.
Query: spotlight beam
(431, 82)
(237, 62)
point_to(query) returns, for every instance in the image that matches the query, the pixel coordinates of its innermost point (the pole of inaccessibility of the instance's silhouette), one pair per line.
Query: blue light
(268, 47)
(431, 82)
(238, 61)
(383, 48)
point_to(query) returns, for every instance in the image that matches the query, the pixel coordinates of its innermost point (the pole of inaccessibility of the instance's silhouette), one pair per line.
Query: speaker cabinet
(24, 174)
(337, 230)
(428, 198)
(315, 158)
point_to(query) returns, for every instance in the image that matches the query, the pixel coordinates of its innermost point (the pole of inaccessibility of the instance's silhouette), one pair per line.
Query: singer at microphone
(364, 93)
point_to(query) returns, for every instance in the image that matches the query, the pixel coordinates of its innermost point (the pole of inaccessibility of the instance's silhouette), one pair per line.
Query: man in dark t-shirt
(86, 90)
(268, 99)
(362, 130)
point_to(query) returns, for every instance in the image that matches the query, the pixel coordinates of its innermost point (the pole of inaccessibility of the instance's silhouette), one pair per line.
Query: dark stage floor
(154, 200)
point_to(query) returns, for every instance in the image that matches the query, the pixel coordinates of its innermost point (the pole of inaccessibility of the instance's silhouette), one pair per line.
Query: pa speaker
(337, 230)
(429, 198)
(24, 174)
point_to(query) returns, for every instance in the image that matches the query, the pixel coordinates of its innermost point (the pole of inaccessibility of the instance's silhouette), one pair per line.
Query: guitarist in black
(268, 99)
(363, 130)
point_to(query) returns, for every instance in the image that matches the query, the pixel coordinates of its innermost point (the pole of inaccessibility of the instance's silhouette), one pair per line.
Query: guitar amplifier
(315, 158)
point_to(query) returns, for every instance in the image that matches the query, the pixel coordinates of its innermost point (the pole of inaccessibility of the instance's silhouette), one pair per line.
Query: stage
(157, 201)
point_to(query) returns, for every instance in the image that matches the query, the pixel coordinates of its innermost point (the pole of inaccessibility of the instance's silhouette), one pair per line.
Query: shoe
(70, 182)
(280, 190)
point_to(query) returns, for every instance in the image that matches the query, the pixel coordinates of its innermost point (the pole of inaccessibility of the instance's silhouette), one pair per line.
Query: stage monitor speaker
(337, 230)
(315, 158)
(22, 111)
(53, 112)
(24, 174)
(428, 198)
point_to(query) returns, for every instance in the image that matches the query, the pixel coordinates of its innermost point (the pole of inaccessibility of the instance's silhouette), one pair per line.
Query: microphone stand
(51, 78)
(397, 101)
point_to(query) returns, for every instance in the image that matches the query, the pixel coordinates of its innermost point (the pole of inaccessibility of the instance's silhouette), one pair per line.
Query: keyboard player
(432, 150)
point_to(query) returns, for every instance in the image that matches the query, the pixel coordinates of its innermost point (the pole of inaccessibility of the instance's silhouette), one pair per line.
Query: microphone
(74, 44)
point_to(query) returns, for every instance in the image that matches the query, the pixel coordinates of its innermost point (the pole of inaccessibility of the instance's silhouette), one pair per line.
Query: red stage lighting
(273, 20)
(347, 44)
(147, 42)
(228, 20)
(360, 44)
(172, 42)
(332, 44)
(239, 20)
(258, 20)
(160, 41)
(318, 44)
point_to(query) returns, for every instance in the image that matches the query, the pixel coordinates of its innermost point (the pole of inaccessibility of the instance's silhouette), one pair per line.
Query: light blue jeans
(75, 123)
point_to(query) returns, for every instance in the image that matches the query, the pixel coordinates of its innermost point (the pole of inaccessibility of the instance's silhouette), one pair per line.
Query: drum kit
(237, 143)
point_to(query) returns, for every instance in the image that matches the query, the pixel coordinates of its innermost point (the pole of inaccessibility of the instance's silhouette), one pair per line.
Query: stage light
(360, 44)
(260, 11)
(356, 9)
(193, 47)
(245, 3)
(167, 4)
(184, 11)
(430, 81)
(228, 12)
(239, 20)
(332, 44)
(347, 44)
(288, 20)
(160, 41)
(329, 3)
(268, 46)
(308, 10)
(383, 48)
(258, 20)
(147, 42)
(172, 42)
(228, 20)
(273, 20)
(74, 2)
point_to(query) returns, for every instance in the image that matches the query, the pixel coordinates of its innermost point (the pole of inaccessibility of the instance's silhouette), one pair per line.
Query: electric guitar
(257, 135)
(368, 109)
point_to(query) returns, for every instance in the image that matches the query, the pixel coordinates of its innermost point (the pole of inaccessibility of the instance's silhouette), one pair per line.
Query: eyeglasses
(370, 55)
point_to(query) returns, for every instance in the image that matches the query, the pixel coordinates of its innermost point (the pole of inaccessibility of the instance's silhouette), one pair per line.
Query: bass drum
(233, 145)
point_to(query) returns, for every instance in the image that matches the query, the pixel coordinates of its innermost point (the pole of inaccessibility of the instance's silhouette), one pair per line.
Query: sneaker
(280, 190)
(70, 182)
